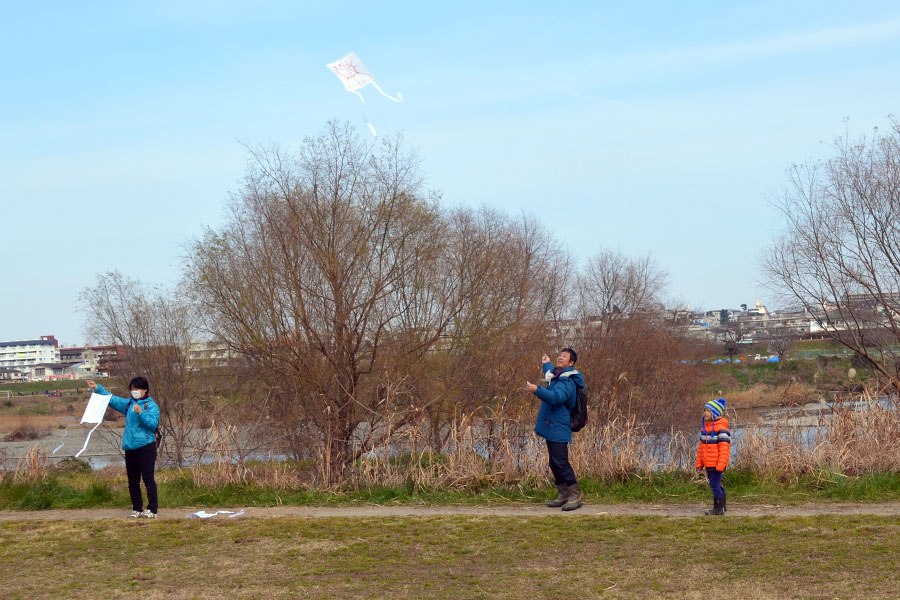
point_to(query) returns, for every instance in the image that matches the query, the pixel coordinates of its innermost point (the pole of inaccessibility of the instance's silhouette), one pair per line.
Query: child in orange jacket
(714, 451)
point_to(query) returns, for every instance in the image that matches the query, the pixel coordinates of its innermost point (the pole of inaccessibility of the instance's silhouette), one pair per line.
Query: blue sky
(656, 128)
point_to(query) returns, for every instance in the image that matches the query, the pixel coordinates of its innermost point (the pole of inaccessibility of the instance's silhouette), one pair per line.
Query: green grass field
(108, 489)
(454, 557)
(33, 387)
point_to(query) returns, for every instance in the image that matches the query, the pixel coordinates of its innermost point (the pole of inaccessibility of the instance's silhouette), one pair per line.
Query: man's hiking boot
(561, 497)
(718, 507)
(573, 499)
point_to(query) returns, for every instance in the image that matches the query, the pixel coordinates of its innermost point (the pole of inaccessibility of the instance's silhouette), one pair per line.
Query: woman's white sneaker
(148, 514)
(135, 514)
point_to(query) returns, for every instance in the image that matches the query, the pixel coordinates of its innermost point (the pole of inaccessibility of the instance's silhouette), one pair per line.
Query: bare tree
(732, 335)
(628, 342)
(328, 276)
(514, 278)
(840, 253)
(157, 328)
(782, 339)
(616, 286)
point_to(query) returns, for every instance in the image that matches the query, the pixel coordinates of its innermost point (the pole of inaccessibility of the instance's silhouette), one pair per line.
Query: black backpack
(578, 417)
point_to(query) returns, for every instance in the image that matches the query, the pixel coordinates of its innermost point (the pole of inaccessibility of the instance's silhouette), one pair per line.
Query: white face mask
(137, 394)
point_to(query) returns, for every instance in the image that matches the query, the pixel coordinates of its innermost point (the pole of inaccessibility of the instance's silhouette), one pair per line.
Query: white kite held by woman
(355, 76)
(93, 413)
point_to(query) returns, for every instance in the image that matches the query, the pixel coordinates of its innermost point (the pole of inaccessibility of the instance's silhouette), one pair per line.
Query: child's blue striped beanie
(716, 407)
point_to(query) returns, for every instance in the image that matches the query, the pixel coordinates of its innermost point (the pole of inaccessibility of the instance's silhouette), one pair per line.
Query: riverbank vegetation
(844, 451)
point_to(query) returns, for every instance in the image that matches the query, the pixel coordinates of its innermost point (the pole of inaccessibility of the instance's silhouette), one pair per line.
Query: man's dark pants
(140, 464)
(563, 474)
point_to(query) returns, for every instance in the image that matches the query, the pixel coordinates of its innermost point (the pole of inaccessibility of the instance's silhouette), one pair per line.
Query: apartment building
(22, 355)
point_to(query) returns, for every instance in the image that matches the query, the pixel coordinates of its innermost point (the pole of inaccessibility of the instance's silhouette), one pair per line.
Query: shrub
(26, 430)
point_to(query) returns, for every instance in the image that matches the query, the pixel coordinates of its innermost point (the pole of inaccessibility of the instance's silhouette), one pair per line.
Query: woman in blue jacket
(138, 442)
(554, 423)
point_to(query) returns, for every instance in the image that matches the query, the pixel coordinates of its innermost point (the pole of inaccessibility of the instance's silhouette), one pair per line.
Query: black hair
(139, 383)
(572, 354)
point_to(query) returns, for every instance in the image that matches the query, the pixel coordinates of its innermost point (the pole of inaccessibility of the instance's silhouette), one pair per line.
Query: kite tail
(365, 119)
(61, 444)
(399, 97)
(87, 439)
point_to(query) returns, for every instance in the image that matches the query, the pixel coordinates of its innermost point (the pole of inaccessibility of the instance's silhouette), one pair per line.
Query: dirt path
(514, 510)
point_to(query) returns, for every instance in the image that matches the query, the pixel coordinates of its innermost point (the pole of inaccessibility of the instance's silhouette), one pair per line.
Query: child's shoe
(718, 507)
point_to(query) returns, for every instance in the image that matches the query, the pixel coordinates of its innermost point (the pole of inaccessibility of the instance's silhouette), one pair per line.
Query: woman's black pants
(140, 463)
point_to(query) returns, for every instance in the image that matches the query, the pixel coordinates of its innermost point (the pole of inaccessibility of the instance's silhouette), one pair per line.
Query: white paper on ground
(202, 514)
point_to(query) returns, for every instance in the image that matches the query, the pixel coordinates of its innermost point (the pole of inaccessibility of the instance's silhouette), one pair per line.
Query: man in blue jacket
(554, 423)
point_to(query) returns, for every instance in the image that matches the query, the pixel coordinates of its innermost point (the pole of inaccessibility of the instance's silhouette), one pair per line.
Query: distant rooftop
(29, 343)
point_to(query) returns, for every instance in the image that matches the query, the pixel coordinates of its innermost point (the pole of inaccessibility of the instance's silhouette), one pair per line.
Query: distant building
(758, 310)
(97, 359)
(8, 374)
(209, 354)
(22, 355)
(57, 372)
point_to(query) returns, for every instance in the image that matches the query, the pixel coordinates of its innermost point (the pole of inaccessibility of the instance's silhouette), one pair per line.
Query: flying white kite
(93, 413)
(355, 76)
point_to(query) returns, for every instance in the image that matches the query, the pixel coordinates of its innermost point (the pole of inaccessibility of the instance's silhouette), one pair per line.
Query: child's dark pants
(715, 482)
(140, 464)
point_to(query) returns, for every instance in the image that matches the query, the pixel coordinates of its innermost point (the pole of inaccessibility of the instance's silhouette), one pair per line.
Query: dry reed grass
(755, 396)
(861, 434)
(856, 436)
(507, 452)
(32, 467)
(222, 459)
(21, 425)
(762, 395)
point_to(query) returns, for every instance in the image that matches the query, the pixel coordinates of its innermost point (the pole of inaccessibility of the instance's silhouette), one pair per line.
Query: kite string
(365, 118)
(371, 127)
(63, 443)
(87, 439)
